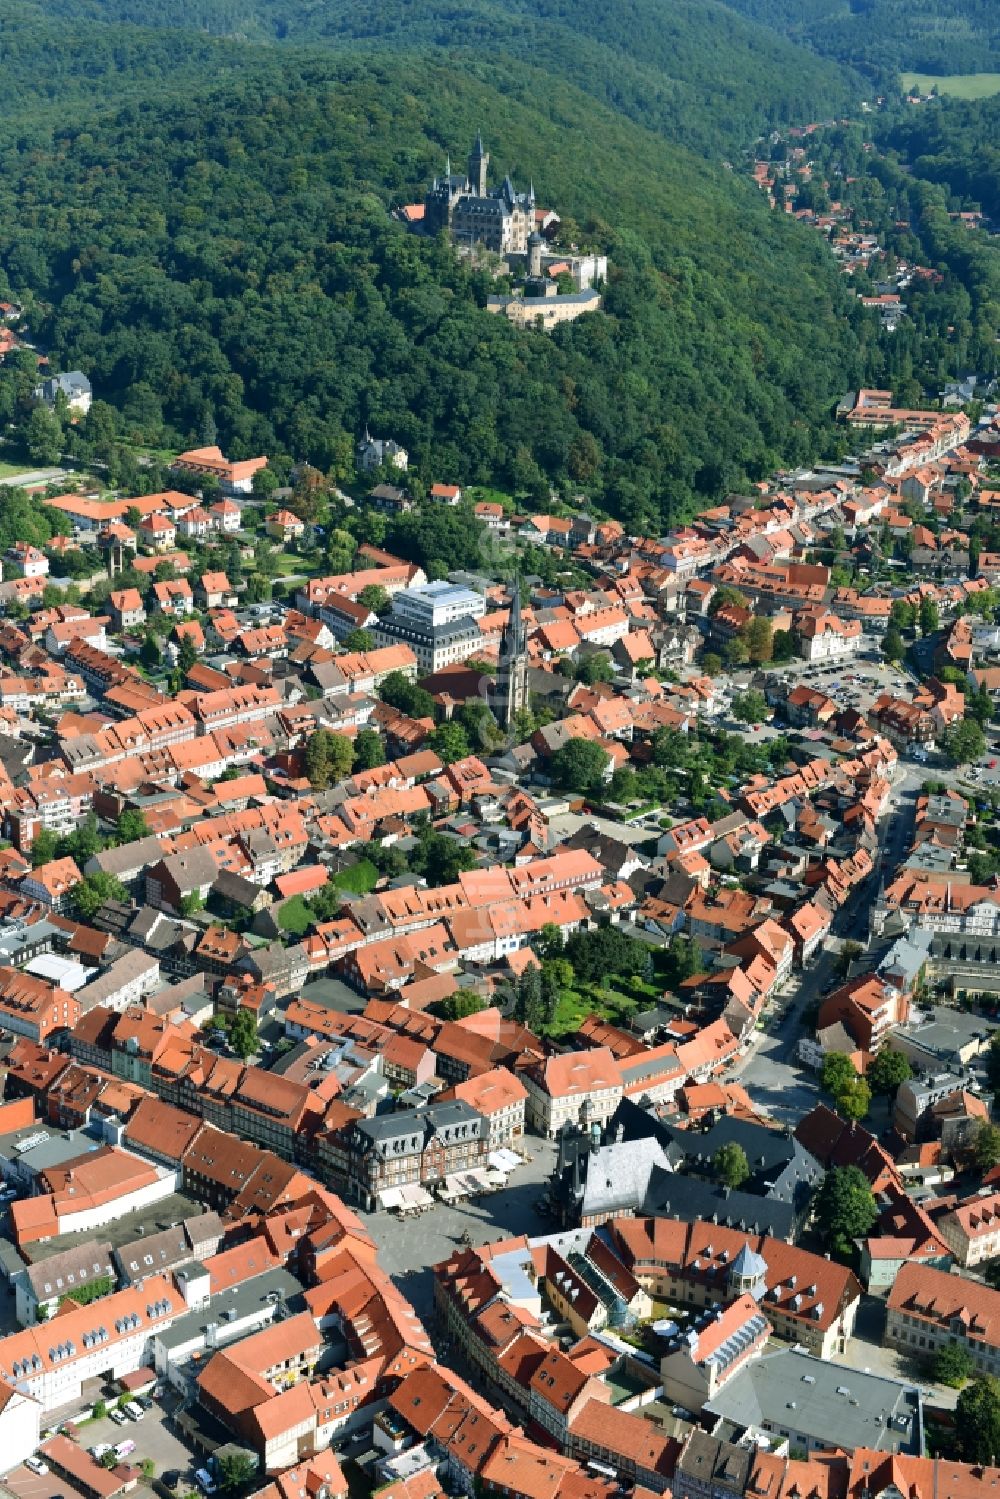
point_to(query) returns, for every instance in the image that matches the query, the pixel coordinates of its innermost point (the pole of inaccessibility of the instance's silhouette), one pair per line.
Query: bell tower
(510, 686)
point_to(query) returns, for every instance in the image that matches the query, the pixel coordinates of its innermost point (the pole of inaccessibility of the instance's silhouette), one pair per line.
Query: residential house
(127, 609)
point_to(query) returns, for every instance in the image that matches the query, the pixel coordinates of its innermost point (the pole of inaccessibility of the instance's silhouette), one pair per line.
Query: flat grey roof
(16, 937)
(54, 1146)
(830, 1403)
(154, 1218)
(278, 1285)
(334, 994)
(945, 1031)
(564, 824)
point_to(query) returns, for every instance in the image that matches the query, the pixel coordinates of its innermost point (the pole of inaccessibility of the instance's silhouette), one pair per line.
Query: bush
(952, 1365)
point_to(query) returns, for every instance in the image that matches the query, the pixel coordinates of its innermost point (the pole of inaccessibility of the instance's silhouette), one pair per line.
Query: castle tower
(534, 256)
(509, 689)
(479, 162)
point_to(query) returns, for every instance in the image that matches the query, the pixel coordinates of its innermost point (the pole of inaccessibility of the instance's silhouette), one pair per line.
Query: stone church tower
(509, 689)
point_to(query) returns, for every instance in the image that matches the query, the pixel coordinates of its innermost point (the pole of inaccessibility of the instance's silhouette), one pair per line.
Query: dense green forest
(49, 68)
(692, 69)
(195, 209)
(255, 280)
(953, 143)
(911, 200)
(882, 37)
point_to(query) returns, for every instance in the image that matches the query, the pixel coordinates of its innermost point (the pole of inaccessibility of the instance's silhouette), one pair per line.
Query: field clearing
(959, 85)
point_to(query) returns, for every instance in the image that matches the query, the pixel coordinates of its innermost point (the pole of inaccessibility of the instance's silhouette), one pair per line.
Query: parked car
(118, 1417)
(134, 1411)
(124, 1449)
(36, 1465)
(205, 1481)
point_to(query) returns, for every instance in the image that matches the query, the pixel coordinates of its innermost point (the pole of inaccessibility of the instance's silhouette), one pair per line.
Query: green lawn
(615, 1000)
(143, 450)
(9, 470)
(961, 85)
(288, 563)
(484, 494)
(295, 916)
(359, 878)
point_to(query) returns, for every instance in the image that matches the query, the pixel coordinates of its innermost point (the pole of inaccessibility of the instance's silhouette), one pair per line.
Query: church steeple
(510, 686)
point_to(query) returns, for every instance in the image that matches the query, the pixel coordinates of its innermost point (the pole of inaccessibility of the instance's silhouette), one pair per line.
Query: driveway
(36, 476)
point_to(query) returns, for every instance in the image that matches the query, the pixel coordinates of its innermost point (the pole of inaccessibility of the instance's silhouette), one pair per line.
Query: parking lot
(153, 1436)
(154, 1440)
(853, 683)
(865, 1351)
(408, 1248)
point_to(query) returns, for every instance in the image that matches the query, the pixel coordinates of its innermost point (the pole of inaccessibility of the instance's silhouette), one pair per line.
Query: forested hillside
(693, 69)
(953, 143)
(50, 71)
(884, 36)
(255, 278)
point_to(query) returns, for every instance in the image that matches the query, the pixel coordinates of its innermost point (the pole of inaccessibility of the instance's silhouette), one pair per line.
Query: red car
(992, 765)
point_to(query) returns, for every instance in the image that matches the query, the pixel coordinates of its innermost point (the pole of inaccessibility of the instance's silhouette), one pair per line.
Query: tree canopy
(730, 1165)
(977, 1421)
(845, 1208)
(257, 273)
(579, 765)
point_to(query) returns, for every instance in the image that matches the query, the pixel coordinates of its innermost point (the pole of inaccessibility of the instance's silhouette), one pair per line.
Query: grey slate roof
(618, 1176)
(125, 862)
(73, 1268)
(692, 1200)
(780, 1168)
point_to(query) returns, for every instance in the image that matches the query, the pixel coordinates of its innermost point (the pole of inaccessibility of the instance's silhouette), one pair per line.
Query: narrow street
(771, 1070)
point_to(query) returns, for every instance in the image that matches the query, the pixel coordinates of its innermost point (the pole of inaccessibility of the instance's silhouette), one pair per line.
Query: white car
(35, 1465)
(118, 1417)
(134, 1411)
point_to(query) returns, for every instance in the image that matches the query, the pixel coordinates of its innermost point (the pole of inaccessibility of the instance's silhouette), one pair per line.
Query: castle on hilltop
(502, 219)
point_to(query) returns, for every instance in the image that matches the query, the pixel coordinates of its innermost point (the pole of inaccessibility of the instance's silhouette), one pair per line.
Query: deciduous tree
(977, 1421)
(730, 1165)
(845, 1209)
(888, 1071)
(92, 892)
(328, 758)
(579, 766)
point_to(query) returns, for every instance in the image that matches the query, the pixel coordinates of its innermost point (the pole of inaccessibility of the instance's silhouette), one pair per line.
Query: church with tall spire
(500, 218)
(509, 689)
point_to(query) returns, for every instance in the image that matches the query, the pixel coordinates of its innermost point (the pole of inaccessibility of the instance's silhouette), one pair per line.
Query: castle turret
(479, 162)
(534, 256)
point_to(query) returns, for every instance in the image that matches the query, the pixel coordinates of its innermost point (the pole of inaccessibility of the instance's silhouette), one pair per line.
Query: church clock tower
(509, 691)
